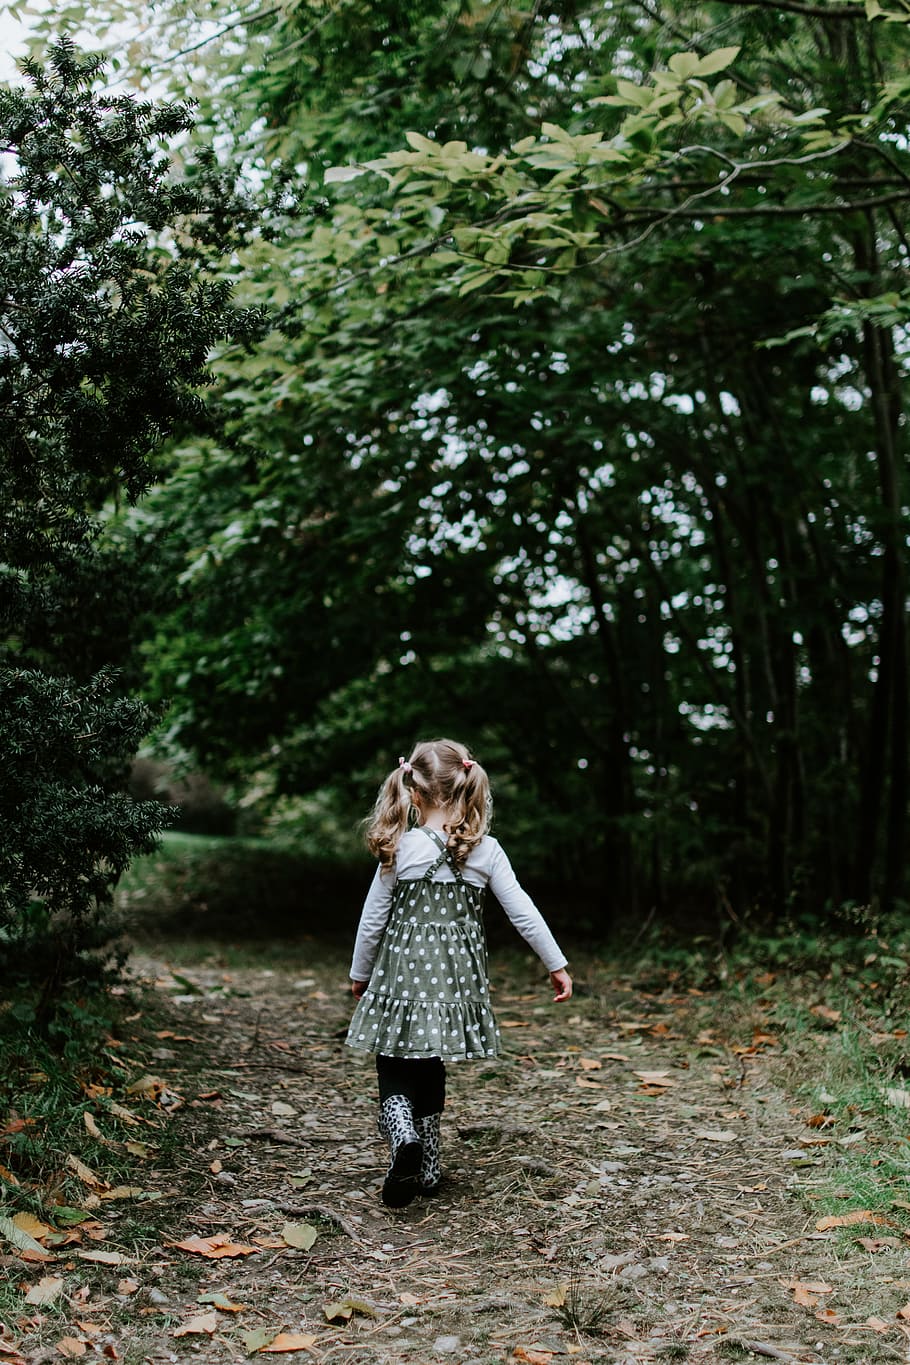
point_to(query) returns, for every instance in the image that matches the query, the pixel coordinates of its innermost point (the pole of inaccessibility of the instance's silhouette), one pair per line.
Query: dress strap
(444, 857)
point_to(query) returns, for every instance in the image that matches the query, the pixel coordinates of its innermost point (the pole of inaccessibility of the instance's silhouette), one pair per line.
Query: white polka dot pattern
(428, 995)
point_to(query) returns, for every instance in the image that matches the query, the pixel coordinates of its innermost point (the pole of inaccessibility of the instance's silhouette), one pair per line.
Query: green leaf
(421, 143)
(684, 64)
(717, 60)
(476, 282)
(259, 1337)
(335, 175)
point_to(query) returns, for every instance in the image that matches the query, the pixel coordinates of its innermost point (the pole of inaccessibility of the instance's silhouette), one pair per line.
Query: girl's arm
(527, 919)
(373, 919)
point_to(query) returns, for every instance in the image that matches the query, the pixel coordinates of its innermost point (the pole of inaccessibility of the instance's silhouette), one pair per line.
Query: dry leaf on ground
(46, 1290)
(289, 1341)
(299, 1235)
(214, 1247)
(847, 1220)
(71, 1347)
(223, 1302)
(87, 1176)
(25, 1244)
(203, 1324)
(806, 1292)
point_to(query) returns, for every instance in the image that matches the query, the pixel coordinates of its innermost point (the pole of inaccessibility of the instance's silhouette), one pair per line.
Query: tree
(569, 438)
(109, 313)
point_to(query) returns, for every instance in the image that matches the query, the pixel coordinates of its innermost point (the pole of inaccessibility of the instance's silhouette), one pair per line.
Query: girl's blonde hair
(441, 773)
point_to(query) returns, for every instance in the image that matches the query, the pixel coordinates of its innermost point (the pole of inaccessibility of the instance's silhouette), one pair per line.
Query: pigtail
(389, 819)
(472, 807)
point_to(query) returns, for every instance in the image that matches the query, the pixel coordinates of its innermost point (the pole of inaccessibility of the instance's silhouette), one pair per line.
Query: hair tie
(467, 764)
(405, 765)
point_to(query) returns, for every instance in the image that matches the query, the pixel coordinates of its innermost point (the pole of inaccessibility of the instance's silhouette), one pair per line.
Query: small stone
(225, 1178)
(446, 1345)
(155, 1296)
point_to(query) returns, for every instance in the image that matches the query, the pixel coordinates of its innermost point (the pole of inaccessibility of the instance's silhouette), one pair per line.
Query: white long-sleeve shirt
(485, 865)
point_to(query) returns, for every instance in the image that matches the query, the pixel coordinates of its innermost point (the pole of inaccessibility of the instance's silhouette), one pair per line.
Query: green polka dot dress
(428, 995)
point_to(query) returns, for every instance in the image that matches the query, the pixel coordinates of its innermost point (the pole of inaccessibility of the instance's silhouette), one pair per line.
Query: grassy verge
(89, 1160)
(829, 1012)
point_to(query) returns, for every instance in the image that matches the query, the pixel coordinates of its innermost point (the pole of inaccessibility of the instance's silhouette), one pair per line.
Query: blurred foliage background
(576, 431)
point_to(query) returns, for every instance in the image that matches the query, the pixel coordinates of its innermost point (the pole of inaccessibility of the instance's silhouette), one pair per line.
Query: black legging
(422, 1080)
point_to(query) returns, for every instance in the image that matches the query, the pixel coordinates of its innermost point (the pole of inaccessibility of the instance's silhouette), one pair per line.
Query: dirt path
(622, 1187)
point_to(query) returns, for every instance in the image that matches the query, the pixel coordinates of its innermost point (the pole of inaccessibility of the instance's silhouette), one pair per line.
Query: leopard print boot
(430, 1169)
(396, 1125)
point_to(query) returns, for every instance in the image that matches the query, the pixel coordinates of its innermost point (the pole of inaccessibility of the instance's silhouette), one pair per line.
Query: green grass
(237, 890)
(838, 1004)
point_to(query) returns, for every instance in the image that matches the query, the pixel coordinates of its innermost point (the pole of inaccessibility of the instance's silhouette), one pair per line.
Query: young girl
(419, 972)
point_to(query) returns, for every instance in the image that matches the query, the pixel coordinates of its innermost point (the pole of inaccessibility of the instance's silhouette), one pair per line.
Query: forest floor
(643, 1177)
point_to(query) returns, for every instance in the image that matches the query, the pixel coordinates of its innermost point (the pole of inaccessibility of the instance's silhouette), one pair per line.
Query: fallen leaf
(874, 1244)
(588, 1085)
(673, 1237)
(259, 1337)
(532, 1357)
(289, 1341)
(846, 1220)
(10, 1179)
(555, 1298)
(410, 1300)
(806, 1292)
(125, 1115)
(69, 1217)
(829, 1315)
(216, 1167)
(903, 1312)
(91, 1329)
(88, 1177)
(105, 1257)
(26, 1245)
(284, 1111)
(878, 1324)
(717, 1135)
(898, 1098)
(223, 1302)
(140, 1149)
(33, 1226)
(71, 1347)
(46, 1290)
(656, 1078)
(514, 1023)
(344, 1309)
(203, 1324)
(820, 1121)
(213, 1247)
(92, 1128)
(128, 1192)
(824, 1012)
(590, 1064)
(300, 1235)
(127, 1287)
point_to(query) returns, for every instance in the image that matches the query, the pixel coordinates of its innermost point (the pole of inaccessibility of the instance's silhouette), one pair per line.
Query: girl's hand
(358, 988)
(562, 984)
